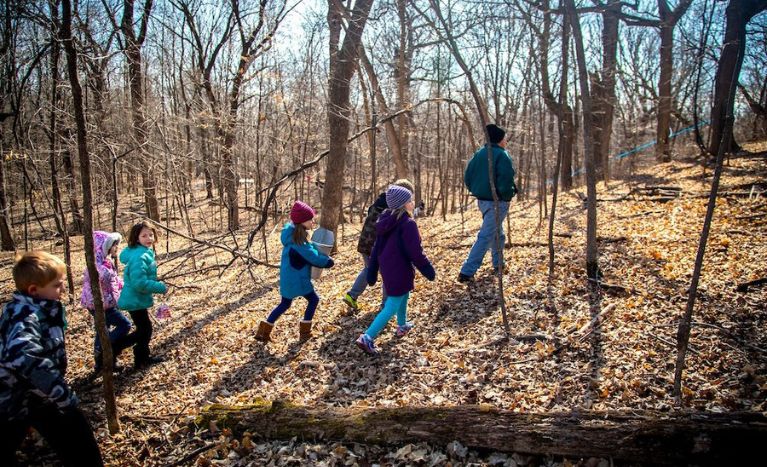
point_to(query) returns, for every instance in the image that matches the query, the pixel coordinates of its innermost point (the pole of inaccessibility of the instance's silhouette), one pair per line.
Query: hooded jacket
(396, 251)
(140, 276)
(110, 281)
(368, 233)
(296, 262)
(33, 357)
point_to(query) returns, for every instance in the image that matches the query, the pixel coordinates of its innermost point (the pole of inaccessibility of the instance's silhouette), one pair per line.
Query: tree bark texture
(343, 63)
(592, 262)
(668, 20)
(6, 238)
(604, 102)
(133, 46)
(646, 437)
(739, 13)
(85, 170)
(402, 71)
(392, 138)
(561, 108)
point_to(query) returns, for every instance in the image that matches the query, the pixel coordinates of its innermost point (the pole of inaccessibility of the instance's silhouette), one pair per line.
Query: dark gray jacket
(33, 357)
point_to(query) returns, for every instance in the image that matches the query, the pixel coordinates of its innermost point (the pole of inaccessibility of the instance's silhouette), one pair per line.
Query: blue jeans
(486, 237)
(312, 298)
(361, 282)
(119, 324)
(393, 305)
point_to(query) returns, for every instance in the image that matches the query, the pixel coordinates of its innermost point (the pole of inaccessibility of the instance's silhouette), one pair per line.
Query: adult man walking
(477, 180)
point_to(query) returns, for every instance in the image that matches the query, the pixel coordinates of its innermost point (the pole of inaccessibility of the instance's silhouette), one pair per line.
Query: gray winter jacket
(33, 358)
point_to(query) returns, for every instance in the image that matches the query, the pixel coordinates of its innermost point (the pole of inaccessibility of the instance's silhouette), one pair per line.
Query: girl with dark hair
(140, 277)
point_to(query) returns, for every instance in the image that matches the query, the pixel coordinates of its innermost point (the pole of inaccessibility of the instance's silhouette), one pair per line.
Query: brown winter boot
(305, 330)
(264, 330)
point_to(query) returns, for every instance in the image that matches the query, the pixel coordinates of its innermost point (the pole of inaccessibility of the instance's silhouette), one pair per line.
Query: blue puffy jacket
(296, 262)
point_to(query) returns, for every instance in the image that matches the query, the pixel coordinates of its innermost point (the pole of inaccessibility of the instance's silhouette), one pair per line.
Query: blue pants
(486, 237)
(312, 298)
(118, 326)
(361, 282)
(393, 305)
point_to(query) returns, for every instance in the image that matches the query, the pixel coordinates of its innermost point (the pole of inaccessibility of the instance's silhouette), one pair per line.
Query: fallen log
(641, 437)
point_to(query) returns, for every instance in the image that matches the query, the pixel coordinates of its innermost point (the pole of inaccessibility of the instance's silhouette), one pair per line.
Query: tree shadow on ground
(481, 293)
(353, 371)
(245, 375)
(163, 346)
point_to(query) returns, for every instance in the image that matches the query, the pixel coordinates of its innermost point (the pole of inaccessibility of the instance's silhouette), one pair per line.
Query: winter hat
(301, 212)
(496, 133)
(397, 196)
(109, 241)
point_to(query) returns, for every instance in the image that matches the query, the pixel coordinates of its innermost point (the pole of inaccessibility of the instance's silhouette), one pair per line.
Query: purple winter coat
(397, 249)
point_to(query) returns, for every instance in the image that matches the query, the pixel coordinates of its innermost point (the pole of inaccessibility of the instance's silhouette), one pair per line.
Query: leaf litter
(453, 356)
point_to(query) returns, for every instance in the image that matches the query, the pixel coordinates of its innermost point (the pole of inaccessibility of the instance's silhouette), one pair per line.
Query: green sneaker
(349, 300)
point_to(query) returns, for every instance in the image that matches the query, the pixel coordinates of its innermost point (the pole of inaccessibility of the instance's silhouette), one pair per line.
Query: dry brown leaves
(453, 356)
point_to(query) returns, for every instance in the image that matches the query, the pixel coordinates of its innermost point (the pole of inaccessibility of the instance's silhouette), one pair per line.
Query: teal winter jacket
(478, 182)
(140, 278)
(295, 264)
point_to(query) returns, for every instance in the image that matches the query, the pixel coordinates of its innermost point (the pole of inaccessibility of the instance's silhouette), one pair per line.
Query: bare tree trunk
(560, 108)
(392, 137)
(563, 142)
(5, 232)
(69, 183)
(343, 63)
(592, 260)
(605, 104)
(133, 46)
(85, 170)
(58, 211)
(402, 73)
(6, 238)
(739, 13)
(668, 20)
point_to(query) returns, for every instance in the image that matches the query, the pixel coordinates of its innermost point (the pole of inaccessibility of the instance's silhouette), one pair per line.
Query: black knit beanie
(496, 133)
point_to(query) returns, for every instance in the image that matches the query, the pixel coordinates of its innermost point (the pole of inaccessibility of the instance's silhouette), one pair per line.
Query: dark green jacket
(478, 181)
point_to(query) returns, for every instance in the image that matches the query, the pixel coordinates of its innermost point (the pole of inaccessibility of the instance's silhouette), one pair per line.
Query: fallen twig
(192, 454)
(673, 344)
(233, 252)
(744, 286)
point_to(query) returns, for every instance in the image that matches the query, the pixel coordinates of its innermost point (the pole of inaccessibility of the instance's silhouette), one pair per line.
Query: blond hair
(405, 183)
(38, 268)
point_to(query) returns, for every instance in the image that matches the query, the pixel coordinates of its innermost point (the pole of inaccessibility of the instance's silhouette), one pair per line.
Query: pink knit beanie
(301, 212)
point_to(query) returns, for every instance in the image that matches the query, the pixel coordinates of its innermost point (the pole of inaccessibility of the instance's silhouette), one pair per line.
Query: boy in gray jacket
(33, 361)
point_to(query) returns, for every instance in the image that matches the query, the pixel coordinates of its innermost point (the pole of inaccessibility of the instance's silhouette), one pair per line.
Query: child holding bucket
(298, 255)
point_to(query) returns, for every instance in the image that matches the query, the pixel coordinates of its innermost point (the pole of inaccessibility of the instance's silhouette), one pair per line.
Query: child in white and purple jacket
(105, 247)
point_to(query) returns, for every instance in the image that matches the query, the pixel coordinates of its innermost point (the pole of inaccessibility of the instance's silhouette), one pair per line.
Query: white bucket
(322, 239)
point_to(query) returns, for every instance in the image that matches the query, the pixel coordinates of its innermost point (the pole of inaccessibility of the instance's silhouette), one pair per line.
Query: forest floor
(647, 247)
